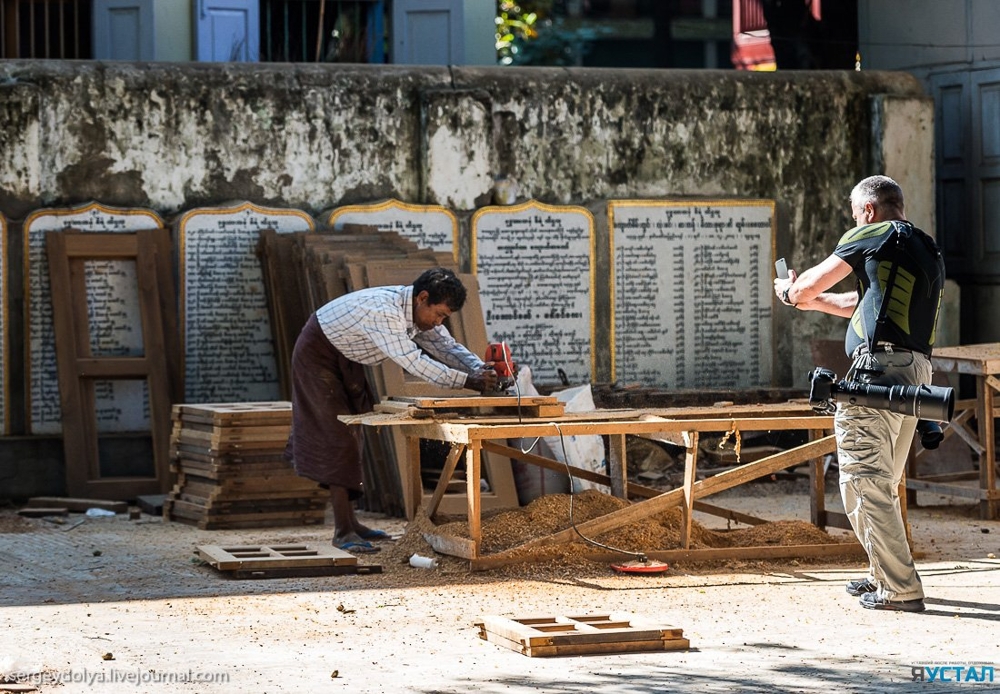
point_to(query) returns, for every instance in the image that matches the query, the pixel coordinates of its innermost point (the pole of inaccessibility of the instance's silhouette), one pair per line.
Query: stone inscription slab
(692, 292)
(428, 226)
(113, 306)
(535, 264)
(229, 350)
(4, 334)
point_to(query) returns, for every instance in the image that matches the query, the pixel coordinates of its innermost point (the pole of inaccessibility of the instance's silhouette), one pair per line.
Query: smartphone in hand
(781, 268)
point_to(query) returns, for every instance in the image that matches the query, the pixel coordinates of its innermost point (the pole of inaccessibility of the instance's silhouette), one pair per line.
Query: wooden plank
(968, 492)
(450, 463)
(246, 414)
(42, 511)
(851, 550)
(79, 505)
(305, 572)
(463, 401)
(728, 514)
(631, 488)
(451, 545)
(274, 431)
(219, 438)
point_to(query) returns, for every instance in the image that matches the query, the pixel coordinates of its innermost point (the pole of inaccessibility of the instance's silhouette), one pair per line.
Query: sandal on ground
(376, 535)
(355, 547)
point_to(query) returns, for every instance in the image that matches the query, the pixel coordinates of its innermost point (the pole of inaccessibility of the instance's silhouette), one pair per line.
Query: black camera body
(929, 403)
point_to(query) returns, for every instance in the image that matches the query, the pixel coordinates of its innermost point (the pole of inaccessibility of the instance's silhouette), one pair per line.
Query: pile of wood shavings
(507, 530)
(10, 522)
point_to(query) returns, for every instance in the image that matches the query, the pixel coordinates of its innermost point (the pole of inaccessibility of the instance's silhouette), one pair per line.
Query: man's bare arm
(808, 291)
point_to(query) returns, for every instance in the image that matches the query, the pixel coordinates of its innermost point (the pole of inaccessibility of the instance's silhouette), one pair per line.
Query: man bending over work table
(364, 328)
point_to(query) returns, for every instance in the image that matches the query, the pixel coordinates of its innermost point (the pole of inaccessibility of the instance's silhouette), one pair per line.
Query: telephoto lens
(930, 403)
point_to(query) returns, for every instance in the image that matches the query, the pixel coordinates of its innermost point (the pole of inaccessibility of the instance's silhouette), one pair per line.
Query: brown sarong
(325, 384)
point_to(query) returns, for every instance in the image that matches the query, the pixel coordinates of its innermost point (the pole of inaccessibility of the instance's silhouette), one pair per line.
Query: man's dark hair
(442, 287)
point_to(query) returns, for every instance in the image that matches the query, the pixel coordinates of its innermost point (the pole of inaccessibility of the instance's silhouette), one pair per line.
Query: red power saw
(499, 354)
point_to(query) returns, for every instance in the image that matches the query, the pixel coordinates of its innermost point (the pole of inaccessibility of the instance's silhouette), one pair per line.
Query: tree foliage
(527, 33)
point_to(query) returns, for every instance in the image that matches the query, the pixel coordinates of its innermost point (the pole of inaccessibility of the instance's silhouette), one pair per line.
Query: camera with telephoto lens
(927, 403)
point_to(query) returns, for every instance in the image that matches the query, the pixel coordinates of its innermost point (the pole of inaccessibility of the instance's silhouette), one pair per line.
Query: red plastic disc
(638, 567)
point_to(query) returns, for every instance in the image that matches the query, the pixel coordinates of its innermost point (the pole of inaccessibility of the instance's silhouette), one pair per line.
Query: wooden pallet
(531, 406)
(594, 634)
(283, 561)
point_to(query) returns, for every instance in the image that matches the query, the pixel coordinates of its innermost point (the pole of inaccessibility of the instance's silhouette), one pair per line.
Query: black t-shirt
(914, 301)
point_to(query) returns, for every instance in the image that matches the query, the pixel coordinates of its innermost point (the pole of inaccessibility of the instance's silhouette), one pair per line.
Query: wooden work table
(983, 362)
(470, 436)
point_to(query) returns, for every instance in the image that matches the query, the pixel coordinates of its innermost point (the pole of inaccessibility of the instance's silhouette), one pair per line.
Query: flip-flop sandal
(376, 535)
(358, 547)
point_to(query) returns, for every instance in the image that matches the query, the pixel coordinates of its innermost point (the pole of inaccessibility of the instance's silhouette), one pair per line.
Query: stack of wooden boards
(231, 471)
(304, 270)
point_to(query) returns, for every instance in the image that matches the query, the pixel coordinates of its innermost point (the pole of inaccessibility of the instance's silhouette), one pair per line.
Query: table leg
(817, 481)
(690, 465)
(416, 485)
(988, 508)
(473, 462)
(617, 466)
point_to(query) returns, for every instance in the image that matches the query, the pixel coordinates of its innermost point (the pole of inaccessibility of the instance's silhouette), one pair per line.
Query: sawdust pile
(506, 531)
(11, 523)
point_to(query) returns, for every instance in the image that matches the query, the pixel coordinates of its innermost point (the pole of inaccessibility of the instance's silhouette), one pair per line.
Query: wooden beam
(450, 463)
(556, 466)
(839, 549)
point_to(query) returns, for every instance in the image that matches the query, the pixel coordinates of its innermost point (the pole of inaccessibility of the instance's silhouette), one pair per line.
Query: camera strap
(898, 235)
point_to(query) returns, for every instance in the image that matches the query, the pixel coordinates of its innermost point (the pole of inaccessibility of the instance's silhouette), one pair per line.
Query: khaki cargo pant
(872, 448)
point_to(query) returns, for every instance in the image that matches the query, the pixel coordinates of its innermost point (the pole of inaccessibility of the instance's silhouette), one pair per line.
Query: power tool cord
(562, 442)
(638, 555)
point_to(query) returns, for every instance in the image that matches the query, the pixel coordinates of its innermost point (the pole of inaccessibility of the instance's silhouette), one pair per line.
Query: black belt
(884, 348)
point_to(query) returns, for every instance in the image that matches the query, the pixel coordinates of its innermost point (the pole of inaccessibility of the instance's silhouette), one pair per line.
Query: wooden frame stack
(231, 471)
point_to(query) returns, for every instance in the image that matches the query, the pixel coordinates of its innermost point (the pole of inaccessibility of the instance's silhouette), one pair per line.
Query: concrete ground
(114, 605)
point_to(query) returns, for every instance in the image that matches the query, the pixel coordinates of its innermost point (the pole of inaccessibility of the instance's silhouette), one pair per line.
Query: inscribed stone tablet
(229, 349)
(429, 226)
(693, 297)
(534, 263)
(112, 301)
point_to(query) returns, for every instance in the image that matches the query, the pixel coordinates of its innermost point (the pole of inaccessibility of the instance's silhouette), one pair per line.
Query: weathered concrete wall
(173, 137)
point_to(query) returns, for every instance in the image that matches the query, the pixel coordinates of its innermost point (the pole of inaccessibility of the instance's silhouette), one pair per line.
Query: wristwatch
(784, 296)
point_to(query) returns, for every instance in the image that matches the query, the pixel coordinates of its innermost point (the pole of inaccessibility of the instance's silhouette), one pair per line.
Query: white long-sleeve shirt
(371, 325)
